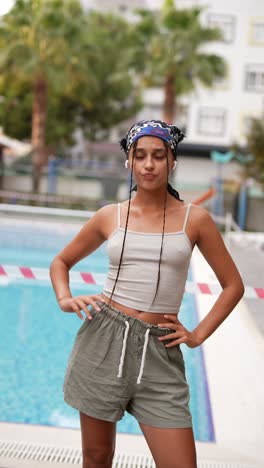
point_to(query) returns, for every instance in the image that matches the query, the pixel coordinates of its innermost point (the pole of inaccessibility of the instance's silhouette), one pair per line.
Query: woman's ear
(174, 165)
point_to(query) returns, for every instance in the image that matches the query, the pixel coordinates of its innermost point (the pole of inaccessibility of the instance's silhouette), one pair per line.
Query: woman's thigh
(98, 440)
(171, 448)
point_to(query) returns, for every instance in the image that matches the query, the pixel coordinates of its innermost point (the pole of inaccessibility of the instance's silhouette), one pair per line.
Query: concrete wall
(255, 214)
(72, 187)
(109, 189)
(255, 211)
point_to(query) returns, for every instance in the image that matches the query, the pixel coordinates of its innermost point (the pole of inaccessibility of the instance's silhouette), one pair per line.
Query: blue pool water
(36, 337)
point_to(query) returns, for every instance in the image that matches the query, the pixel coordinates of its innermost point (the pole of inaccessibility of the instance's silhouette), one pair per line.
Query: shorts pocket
(175, 356)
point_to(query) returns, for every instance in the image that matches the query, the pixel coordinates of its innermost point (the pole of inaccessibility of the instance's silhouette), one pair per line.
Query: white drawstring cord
(122, 357)
(143, 356)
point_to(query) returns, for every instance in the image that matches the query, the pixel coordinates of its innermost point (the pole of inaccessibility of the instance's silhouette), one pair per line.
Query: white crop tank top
(136, 284)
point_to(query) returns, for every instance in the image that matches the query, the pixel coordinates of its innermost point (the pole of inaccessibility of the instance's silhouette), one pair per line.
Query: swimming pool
(37, 337)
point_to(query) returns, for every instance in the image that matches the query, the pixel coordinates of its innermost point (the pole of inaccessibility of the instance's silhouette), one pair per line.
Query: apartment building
(219, 116)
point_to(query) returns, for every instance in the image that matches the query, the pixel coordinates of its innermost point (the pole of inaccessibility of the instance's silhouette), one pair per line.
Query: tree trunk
(169, 106)
(39, 117)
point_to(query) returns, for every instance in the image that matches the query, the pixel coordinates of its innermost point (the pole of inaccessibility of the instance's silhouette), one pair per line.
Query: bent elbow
(55, 264)
(236, 289)
(240, 289)
(52, 264)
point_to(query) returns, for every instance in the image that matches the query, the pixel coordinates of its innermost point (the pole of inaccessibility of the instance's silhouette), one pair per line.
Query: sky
(5, 6)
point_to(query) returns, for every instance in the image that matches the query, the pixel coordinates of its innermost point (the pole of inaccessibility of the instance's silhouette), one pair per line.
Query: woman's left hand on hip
(179, 333)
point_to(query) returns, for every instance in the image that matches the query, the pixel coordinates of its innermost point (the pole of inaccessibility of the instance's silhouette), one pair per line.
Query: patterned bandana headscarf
(171, 134)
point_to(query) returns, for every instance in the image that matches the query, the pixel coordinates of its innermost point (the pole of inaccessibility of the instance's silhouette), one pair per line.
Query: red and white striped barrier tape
(42, 274)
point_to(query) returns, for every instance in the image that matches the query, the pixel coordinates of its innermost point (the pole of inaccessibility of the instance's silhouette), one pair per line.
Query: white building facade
(221, 115)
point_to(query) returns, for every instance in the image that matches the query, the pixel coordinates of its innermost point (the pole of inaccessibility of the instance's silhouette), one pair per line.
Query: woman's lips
(149, 176)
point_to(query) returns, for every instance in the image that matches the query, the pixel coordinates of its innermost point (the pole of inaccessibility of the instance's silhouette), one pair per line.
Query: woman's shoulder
(107, 212)
(102, 220)
(199, 213)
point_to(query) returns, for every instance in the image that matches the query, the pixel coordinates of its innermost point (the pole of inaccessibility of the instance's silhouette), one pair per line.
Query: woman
(126, 354)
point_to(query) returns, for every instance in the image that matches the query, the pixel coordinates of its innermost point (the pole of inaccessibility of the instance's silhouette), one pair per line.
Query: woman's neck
(153, 200)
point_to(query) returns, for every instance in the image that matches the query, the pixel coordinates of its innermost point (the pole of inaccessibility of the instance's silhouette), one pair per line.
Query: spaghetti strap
(118, 215)
(186, 216)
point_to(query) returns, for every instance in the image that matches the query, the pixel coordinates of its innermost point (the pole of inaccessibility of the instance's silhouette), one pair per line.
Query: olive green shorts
(117, 364)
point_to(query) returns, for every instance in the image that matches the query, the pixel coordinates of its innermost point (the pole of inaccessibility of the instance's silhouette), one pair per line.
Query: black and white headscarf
(171, 134)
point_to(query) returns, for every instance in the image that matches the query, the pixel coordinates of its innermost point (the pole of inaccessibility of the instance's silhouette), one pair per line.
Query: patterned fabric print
(171, 134)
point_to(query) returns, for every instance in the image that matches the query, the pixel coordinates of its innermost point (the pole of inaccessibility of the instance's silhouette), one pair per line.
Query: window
(254, 79)
(226, 23)
(211, 121)
(257, 31)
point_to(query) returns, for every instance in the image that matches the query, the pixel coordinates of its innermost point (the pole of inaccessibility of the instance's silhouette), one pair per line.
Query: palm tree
(116, 97)
(40, 44)
(74, 67)
(170, 52)
(255, 144)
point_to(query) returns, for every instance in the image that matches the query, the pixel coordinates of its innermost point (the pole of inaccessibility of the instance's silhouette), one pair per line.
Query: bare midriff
(148, 317)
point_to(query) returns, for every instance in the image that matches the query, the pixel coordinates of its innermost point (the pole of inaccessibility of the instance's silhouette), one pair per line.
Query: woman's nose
(149, 162)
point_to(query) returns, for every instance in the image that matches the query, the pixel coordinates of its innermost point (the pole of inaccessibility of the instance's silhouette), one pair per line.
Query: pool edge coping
(129, 443)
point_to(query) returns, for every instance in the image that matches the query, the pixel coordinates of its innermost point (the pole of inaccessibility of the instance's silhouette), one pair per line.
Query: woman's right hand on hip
(78, 303)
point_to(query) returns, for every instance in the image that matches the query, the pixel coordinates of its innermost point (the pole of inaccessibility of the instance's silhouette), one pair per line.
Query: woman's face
(150, 162)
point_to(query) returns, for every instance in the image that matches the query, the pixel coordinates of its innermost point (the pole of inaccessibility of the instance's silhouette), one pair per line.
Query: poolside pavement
(235, 371)
(70, 440)
(247, 250)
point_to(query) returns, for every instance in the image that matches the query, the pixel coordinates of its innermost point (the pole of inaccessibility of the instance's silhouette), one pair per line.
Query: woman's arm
(212, 247)
(210, 243)
(90, 237)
